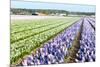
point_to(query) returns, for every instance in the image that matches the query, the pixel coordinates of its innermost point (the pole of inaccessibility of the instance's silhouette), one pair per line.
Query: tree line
(20, 11)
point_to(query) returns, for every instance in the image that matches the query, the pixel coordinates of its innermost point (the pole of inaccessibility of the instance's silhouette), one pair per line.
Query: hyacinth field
(52, 41)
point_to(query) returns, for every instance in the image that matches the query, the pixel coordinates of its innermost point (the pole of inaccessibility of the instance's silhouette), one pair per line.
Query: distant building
(62, 14)
(58, 14)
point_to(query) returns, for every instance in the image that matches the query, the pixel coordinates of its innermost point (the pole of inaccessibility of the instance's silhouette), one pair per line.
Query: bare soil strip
(75, 47)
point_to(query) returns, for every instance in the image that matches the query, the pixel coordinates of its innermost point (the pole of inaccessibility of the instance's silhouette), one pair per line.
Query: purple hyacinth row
(56, 49)
(92, 21)
(86, 52)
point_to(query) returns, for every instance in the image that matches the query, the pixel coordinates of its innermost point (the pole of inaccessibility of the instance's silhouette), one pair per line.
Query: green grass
(27, 35)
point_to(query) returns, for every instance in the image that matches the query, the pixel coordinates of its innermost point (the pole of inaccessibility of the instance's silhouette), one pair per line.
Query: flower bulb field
(52, 40)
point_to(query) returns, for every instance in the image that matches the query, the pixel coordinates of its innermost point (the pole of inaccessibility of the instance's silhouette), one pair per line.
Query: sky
(59, 6)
